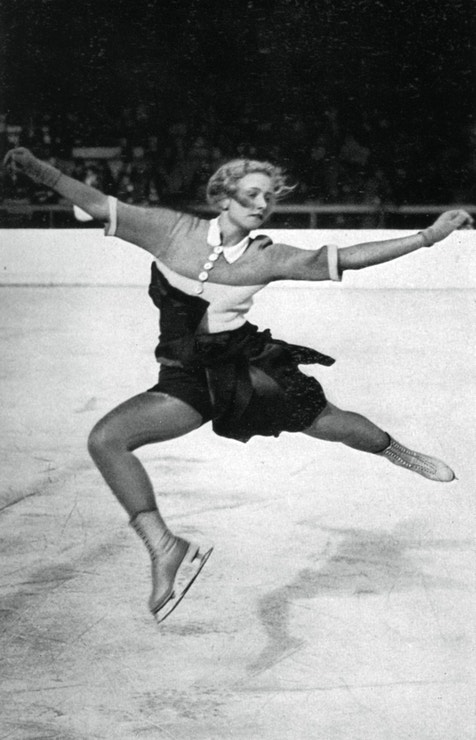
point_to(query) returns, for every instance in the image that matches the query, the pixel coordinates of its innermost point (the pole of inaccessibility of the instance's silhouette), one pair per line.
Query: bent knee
(103, 439)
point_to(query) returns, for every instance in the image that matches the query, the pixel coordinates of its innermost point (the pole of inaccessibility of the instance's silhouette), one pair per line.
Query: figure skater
(215, 365)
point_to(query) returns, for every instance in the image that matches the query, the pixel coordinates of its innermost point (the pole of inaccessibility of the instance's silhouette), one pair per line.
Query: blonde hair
(224, 182)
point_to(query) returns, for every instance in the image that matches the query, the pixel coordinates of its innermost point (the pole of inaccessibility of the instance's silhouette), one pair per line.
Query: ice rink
(338, 603)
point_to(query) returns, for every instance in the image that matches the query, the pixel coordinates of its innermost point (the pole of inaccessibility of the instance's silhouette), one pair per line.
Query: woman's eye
(256, 193)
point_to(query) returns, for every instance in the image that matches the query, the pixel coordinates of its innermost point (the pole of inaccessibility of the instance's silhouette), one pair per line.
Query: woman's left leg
(355, 430)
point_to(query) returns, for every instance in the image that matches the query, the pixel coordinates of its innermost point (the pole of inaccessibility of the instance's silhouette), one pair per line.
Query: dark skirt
(244, 381)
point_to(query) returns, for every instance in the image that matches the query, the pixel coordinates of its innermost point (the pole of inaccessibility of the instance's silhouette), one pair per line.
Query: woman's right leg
(144, 419)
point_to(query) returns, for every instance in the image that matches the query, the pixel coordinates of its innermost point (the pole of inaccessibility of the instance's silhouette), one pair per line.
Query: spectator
(173, 178)
(170, 162)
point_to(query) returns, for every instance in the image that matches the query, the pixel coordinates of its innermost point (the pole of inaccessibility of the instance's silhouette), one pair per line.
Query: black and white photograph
(238, 388)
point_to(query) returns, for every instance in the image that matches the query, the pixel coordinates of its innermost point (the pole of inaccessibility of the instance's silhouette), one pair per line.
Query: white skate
(428, 467)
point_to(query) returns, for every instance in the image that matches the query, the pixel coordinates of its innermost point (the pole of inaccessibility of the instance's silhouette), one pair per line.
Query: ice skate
(175, 563)
(428, 467)
(187, 572)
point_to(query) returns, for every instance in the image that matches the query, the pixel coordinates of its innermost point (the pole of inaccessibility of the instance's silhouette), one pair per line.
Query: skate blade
(186, 576)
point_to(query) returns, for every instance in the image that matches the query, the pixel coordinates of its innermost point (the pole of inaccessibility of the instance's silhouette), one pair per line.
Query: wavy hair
(224, 182)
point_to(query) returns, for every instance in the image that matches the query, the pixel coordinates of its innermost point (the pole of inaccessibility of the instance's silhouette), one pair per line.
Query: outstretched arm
(359, 256)
(95, 203)
(328, 263)
(148, 228)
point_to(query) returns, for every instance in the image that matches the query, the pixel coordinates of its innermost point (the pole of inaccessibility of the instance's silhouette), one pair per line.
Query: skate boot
(175, 563)
(428, 467)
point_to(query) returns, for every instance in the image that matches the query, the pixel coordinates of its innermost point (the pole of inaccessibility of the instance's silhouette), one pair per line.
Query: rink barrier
(86, 257)
(53, 214)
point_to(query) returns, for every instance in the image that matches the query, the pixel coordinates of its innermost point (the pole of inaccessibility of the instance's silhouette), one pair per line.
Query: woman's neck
(230, 233)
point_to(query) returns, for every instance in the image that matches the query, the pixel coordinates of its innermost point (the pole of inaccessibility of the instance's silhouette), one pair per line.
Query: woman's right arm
(22, 161)
(148, 228)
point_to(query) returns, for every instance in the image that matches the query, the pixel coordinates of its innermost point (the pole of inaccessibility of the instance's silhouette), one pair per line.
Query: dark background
(406, 57)
(400, 73)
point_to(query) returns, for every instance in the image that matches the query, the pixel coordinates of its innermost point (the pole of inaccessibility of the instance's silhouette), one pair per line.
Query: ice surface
(337, 604)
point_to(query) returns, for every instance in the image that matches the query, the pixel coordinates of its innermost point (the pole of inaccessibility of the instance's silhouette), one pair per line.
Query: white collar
(232, 253)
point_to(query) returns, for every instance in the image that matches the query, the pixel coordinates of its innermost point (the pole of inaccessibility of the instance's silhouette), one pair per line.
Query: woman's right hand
(20, 161)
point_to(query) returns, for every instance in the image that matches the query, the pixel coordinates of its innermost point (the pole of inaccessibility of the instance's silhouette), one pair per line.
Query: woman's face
(253, 201)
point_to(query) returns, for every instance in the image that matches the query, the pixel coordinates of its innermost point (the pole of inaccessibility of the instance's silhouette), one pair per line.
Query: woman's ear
(224, 204)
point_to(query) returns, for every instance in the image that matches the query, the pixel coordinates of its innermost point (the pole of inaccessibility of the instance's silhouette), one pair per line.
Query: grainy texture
(337, 603)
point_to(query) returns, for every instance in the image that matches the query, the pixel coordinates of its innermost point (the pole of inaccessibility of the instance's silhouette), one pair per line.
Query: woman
(214, 364)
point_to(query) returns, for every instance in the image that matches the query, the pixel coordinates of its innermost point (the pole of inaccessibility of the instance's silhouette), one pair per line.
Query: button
(213, 257)
(218, 250)
(203, 276)
(199, 289)
(208, 266)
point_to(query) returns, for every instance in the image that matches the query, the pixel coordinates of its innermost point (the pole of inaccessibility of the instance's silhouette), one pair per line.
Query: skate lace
(145, 539)
(158, 547)
(416, 462)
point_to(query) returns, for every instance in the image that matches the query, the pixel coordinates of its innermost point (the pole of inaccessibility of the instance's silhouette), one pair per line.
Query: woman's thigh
(144, 419)
(324, 425)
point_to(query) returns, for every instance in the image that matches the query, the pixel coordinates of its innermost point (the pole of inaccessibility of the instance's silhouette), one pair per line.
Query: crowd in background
(332, 159)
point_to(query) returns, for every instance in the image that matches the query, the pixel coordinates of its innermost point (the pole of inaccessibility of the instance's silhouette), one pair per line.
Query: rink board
(86, 257)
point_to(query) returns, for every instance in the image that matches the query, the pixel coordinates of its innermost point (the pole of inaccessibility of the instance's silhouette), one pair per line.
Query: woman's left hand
(445, 224)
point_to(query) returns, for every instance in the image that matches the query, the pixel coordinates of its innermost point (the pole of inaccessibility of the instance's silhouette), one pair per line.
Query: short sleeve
(110, 227)
(294, 263)
(333, 262)
(150, 228)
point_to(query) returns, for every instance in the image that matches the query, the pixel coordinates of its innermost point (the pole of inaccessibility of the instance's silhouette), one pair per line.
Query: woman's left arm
(328, 263)
(363, 255)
